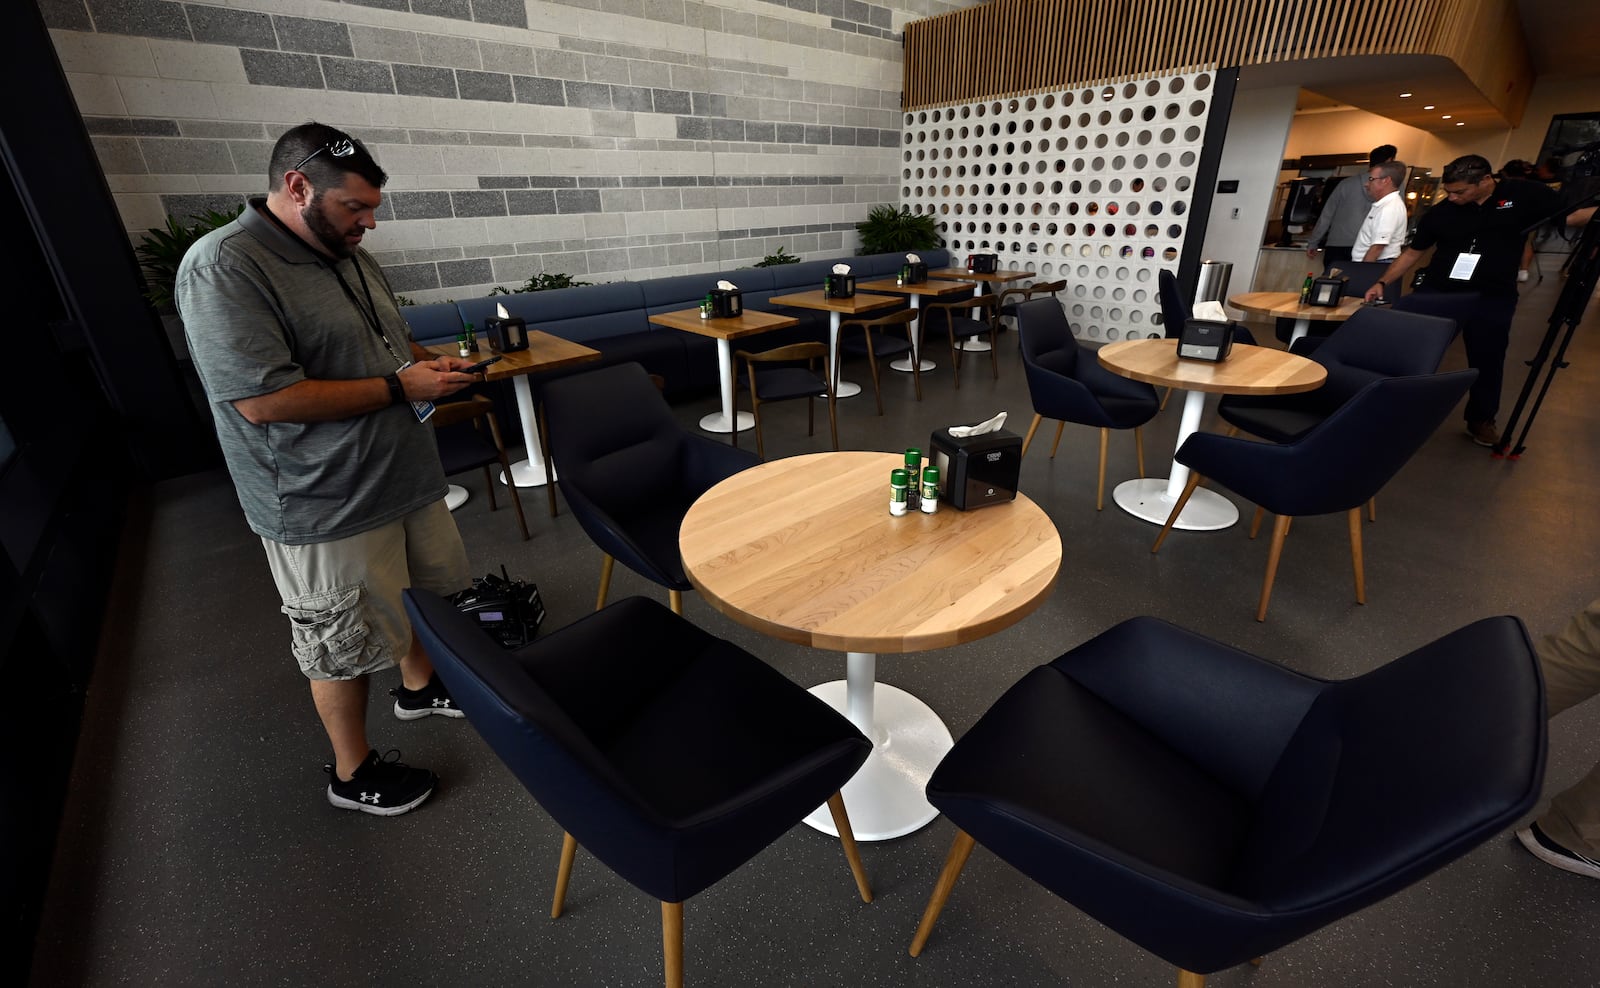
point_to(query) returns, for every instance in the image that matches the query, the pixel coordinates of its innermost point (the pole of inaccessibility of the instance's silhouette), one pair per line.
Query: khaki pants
(1571, 664)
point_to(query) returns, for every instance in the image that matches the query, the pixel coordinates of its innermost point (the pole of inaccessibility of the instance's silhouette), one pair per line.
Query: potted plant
(889, 230)
(778, 257)
(160, 252)
(543, 282)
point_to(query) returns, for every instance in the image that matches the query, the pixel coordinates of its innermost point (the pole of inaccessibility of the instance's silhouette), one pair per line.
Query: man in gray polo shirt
(1344, 212)
(319, 396)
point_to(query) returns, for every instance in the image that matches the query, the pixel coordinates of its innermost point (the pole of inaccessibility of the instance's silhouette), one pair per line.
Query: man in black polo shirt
(1477, 233)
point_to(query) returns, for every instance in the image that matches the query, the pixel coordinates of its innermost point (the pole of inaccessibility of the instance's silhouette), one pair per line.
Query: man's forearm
(1374, 253)
(317, 401)
(1399, 266)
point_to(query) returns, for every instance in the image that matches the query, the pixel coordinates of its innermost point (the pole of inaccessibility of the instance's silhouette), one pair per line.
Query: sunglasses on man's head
(339, 149)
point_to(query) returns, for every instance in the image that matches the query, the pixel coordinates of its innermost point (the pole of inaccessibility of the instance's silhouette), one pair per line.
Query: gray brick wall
(695, 135)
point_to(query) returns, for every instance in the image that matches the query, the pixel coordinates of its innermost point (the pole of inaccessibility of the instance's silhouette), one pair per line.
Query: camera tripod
(1582, 269)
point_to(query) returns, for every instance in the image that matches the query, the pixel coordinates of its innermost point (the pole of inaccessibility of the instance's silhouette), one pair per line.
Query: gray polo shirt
(262, 311)
(1342, 215)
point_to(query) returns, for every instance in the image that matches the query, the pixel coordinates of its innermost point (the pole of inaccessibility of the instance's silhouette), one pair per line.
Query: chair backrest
(552, 731)
(1395, 773)
(1046, 338)
(613, 437)
(1175, 310)
(1375, 343)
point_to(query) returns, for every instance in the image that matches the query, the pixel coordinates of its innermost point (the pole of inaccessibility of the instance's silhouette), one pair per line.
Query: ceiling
(1563, 40)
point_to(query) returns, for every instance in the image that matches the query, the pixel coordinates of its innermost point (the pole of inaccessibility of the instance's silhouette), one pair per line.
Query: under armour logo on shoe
(371, 797)
(440, 701)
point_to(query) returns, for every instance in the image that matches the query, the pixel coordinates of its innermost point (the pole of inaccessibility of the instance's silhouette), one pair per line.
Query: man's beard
(316, 220)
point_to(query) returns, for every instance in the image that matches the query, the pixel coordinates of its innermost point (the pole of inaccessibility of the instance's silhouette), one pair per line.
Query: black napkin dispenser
(726, 303)
(976, 471)
(839, 285)
(983, 263)
(1203, 339)
(1326, 292)
(506, 335)
(915, 273)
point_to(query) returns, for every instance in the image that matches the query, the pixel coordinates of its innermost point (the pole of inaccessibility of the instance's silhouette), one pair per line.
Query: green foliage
(542, 282)
(777, 257)
(888, 230)
(161, 251)
(403, 301)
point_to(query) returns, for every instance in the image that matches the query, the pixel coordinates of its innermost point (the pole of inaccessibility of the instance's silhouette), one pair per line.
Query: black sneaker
(1548, 851)
(382, 786)
(431, 699)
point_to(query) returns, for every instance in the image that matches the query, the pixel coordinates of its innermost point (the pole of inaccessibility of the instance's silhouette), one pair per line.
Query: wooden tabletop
(962, 274)
(1249, 370)
(544, 353)
(1286, 305)
(747, 323)
(853, 305)
(804, 549)
(923, 288)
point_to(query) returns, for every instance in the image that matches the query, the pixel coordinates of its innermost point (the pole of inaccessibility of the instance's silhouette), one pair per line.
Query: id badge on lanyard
(423, 409)
(1466, 263)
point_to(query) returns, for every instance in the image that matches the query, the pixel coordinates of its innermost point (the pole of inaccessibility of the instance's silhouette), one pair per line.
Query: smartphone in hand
(478, 367)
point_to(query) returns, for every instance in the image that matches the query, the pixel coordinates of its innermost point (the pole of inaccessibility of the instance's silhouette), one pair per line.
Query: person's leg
(342, 705)
(1485, 335)
(1570, 661)
(433, 558)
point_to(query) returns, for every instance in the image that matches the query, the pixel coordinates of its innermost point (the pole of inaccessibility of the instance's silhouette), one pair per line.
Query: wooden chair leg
(516, 500)
(1177, 509)
(916, 372)
(1100, 478)
(672, 942)
(1256, 961)
(1255, 522)
(1138, 447)
(755, 413)
(953, 863)
(569, 850)
(994, 354)
(955, 358)
(1280, 529)
(1356, 557)
(605, 581)
(847, 840)
(1060, 427)
(1233, 430)
(872, 362)
(1372, 508)
(1028, 439)
(833, 421)
(488, 485)
(1164, 399)
(675, 601)
(1188, 979)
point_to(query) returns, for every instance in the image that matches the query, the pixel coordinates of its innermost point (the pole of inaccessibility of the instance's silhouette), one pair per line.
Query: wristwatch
(397, 394)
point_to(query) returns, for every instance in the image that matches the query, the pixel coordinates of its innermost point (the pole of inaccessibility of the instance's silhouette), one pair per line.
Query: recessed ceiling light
(1405, 95)
(1445, 117)
(1461, 123)
(1430, 106)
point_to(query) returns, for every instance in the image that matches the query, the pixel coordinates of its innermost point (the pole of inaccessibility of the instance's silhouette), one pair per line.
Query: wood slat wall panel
(1008, 47)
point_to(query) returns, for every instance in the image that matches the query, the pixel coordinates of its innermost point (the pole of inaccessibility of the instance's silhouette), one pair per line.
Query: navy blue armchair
(1211, 806)
(1372, 344)
(1066, 383)
(629, 472)
(1336, 466)
(673, 756)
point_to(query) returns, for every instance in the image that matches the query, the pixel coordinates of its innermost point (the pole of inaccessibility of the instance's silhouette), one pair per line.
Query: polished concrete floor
(198, 849)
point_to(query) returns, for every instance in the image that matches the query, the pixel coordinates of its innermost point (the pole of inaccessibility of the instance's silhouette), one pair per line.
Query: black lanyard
(369, 313)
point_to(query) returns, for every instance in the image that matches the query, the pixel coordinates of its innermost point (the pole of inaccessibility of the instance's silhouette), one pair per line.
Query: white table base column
(718, 421)
(1301, 328)
(904, 363)
(531, 472)
(1152, 499)
(456, 496)
(841, 387)
(885, 797)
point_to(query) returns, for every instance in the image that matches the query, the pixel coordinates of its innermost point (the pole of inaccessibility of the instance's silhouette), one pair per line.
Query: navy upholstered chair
(673, 756)
(1067, 383)
(1372, 344)
(469, 437)
(629, 472)
(1338, 465)
(1211, 806)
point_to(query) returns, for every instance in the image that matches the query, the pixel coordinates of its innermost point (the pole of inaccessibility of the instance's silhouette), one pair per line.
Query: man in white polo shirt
(1383, 232)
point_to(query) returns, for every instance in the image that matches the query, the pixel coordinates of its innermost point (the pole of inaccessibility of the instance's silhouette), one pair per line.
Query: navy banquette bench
(614, 317)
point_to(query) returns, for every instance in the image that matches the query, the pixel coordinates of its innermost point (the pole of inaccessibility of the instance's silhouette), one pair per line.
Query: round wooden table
(1286, 305)
(804, 549)
(1249, 370)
